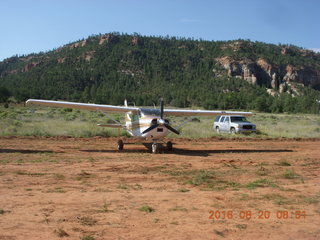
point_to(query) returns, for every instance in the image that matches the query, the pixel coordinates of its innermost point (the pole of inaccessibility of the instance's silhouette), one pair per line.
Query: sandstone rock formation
(273, 77)
(78, 44)
(29, 66)
(135, 41)
(109, 38)
(61, 60)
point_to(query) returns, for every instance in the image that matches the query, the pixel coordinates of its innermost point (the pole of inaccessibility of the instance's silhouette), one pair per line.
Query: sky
(32, 26)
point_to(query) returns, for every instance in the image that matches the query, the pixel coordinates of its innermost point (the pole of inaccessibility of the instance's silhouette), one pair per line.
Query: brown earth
(78, 188)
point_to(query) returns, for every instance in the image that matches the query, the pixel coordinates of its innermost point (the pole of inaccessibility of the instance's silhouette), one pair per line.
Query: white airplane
(146, 124)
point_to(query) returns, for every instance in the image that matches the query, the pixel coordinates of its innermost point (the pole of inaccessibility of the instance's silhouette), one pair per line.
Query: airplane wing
(111, 125)
(178, 112)
(85, 106)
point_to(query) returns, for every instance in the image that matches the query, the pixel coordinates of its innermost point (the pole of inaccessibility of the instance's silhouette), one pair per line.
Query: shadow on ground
(25, 151)
(187, 152)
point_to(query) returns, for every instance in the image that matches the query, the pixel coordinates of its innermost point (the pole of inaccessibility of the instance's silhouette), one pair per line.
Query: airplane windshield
(134, 117)
(150, 111)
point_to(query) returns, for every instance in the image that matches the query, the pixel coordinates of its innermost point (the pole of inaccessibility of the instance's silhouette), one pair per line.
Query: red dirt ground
(82, 188)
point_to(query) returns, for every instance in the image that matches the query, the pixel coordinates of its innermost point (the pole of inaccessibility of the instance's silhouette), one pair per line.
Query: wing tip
(29, 101)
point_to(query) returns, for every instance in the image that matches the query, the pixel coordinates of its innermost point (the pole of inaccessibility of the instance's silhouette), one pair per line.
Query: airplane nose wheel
(120, 145)
(155, 148)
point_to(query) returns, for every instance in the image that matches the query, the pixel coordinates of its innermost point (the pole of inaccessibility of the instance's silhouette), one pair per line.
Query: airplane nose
(161, 121)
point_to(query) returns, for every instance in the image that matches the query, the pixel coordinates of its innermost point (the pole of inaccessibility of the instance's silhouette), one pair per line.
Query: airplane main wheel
(169, 146)
(155, 148)
(120, 145)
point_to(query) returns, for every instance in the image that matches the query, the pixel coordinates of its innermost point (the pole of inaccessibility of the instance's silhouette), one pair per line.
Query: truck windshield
(238, 119)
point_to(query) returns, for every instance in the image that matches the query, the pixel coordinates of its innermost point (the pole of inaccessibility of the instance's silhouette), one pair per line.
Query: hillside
(226, 74)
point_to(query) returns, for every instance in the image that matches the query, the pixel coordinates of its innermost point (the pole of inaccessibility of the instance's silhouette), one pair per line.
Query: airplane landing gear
(155, 148)
(120, 145)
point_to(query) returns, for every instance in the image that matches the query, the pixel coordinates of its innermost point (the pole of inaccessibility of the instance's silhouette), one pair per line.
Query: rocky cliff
(276, 79)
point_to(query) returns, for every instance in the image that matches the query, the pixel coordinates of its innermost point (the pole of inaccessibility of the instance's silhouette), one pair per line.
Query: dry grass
(147, 209)
(42, 121)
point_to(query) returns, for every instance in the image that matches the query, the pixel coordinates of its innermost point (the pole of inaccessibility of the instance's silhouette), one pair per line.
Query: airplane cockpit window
(150, 112)
(134, 117)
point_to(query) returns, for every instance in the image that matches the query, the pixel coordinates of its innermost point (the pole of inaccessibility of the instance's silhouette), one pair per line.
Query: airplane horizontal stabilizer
(111, 125)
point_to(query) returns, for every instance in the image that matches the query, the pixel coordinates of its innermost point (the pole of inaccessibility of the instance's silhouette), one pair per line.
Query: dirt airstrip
(82, 188)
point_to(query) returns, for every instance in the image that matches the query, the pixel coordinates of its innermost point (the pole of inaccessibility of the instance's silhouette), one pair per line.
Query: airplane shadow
(24, 151)
(206, 153)
(176, 151)
(116, 151)
(201, 153)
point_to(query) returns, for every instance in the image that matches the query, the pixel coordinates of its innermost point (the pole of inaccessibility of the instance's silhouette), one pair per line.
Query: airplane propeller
(161, 121)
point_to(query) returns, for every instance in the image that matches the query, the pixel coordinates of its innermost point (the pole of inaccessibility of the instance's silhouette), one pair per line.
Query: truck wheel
(217, 129)
(233, 131)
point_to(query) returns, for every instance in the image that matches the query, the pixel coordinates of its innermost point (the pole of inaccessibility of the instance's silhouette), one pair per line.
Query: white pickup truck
(233, 124)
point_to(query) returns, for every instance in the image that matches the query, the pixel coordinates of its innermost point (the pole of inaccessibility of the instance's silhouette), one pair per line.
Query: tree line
(143, 69)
